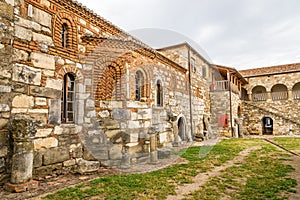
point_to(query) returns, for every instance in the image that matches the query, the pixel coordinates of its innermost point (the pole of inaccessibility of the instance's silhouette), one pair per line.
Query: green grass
(290, 143)
(261, 175)
(159, 184)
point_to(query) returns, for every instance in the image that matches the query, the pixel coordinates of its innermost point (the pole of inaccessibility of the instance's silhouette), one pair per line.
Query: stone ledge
(21, 187)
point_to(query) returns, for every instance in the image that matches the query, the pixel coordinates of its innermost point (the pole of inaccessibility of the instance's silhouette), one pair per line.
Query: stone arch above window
(64, 32)
(279, 92)
(296, 91)
(72, 70)
(259, 93)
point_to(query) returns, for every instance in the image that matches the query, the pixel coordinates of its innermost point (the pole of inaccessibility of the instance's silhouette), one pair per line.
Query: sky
(238, 33)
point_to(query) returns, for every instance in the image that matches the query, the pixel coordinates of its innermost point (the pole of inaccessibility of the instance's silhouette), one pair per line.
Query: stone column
(269, 96)
(290, 95)
(23, 132)
(250, 96)
(153, 146)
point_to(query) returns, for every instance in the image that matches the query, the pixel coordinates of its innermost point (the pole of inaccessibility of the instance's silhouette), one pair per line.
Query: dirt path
(202, 178)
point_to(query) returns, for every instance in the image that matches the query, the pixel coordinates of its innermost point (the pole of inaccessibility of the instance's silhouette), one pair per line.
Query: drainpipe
(190, 90)
(230, 103)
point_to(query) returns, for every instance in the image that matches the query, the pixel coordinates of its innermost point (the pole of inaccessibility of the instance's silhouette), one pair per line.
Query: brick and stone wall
(6, 67)
(109, 124)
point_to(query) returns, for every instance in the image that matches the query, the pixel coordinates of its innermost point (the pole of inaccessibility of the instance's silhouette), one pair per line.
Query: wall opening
(181, 128)
(267, 126)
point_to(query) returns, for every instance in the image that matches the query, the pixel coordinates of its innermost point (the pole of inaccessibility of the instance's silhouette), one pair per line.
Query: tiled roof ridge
(271, 69)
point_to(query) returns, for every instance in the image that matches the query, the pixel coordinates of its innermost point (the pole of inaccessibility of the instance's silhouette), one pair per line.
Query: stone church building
(78, 92)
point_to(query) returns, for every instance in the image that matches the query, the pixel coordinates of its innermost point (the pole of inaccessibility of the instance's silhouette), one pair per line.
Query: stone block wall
(108, 122)
(6, 67)
(284, 114)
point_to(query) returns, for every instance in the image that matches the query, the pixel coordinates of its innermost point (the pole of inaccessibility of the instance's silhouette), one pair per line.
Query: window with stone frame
(139, 86)
(159, 93)
(68, 99)
(64, 35)
(193, 65)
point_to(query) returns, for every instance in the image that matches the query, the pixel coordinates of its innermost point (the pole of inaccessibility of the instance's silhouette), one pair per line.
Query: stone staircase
(273, 111)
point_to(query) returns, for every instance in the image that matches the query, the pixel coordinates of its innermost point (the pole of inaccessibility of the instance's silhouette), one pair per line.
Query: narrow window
(193, 65)
(159, 94)
(139, 82)
(204, 71)
(64, 35)
(68, 99)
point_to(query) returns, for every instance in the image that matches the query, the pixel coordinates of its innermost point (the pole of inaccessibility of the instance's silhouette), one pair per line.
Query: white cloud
(240, 33)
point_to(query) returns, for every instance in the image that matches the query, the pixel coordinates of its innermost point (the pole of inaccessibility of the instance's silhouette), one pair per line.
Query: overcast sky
(237, 33)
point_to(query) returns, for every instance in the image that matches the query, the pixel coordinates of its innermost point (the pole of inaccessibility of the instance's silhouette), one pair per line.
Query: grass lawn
(262, 175)
(292, 144)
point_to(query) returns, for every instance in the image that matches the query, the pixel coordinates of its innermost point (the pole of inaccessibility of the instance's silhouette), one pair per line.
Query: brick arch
(108, 75)
(72, 70)
(72, 38)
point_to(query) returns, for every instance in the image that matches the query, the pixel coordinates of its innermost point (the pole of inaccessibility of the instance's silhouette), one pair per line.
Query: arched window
(159, 94)
(68, 99)
(259, 93)
(296, 91)
(64, 35)
(279, 92)
(139, 86)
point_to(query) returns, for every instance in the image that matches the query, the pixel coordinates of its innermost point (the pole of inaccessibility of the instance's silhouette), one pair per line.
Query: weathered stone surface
(45, 143)
(43, 132)
(54, 111)
(23, 101)
(43, 61)
(3, 123)
(5, 89)
(3, 151)
(41, 17)
(54, 83)
(11, 2)
(121, 114)
(85, 166)
(20, 55)
(4, 108)
(28, 24)
(23, 33)
(6, 10)
(56, 155)
(133, 124)
(115, 153)
(104, 114)
(22, 162)
(42, 39)
(164, 153)
(45, 92)
(69, 163)
(39, 101)
(26, 74)
(145, 113)
(5, 72)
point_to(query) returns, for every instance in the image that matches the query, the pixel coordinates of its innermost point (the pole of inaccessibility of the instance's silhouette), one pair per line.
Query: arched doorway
(267, 126)
(181, 128)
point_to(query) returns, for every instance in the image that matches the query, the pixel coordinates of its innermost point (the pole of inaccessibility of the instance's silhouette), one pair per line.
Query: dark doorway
(181, 128)
(267, 126)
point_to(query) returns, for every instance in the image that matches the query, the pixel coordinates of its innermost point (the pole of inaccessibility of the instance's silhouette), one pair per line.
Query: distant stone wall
(284, 114)
(283, 111)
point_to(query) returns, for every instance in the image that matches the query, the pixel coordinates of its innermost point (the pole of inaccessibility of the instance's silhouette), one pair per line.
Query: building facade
(77, 92)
